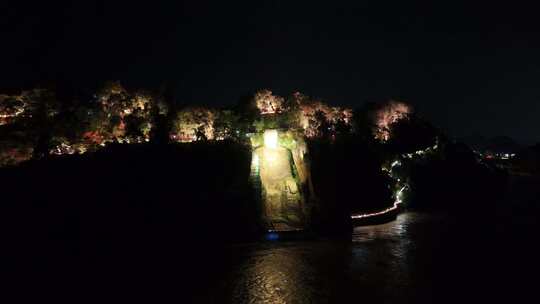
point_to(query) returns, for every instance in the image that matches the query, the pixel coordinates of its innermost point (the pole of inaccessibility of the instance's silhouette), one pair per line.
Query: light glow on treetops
(386, 116)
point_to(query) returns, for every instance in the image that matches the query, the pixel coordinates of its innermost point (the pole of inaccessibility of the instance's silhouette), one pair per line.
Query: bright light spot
(271, 139)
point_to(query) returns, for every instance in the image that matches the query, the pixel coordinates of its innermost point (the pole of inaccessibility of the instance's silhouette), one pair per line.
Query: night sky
(472, 70)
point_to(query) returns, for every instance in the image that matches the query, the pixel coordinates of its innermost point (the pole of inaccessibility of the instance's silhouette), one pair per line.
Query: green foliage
(256, 140)
(226, 125)
(266, 122)
(287, 140)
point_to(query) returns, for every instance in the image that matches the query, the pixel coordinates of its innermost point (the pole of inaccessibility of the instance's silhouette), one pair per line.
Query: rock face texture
(282, 175)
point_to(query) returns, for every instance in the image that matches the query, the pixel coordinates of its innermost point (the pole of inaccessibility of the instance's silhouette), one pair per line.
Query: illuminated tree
(29, 115)
(16, 145)
(314, 115)
(119, 115)
(78, 129)
(10, 108)
(115, 115)
(226, 125)
(321, 124)
(267, 103)
(130, 114)
(386, 115)
(190, 122)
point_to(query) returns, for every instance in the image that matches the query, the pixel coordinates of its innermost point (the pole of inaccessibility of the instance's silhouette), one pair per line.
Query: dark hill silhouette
(457, 182)
(496, 144)
(348, 179)
(128, 196)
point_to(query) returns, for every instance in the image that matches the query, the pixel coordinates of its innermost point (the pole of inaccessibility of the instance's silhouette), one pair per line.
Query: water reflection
(377, 264)
(384, 254)
(272, 276)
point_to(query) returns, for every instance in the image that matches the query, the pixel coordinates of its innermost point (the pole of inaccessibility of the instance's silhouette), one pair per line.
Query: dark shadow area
(458, 183)
(348, 179)
(126, 216)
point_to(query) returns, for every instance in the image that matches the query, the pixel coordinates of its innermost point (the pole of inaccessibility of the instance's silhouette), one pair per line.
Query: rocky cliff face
(279, 169)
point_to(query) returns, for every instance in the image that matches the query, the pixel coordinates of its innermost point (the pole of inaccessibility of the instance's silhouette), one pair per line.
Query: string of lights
(397, 202)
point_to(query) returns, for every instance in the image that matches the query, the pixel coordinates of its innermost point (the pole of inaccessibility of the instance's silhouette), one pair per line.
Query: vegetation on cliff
(360, 163)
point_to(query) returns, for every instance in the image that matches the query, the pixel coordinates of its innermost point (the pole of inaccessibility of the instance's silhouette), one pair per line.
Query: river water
(416, 258)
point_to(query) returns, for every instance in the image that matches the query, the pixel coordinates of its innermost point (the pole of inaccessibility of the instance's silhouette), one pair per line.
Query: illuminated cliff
(279, 167)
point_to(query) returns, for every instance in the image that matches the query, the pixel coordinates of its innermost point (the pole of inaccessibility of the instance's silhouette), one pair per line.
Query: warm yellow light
(271, 139)
(255, 161)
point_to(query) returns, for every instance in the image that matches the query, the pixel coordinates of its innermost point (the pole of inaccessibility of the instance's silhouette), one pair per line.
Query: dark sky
(471, 69)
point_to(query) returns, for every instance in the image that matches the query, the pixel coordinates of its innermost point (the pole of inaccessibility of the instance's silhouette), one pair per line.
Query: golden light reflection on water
(377, 264)
(277, 277)
(393, 229)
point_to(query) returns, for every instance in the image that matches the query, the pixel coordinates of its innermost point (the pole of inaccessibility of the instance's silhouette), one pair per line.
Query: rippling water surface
(402, 261)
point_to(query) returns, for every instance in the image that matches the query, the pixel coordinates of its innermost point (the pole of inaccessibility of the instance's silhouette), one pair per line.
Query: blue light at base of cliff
(272, 236)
